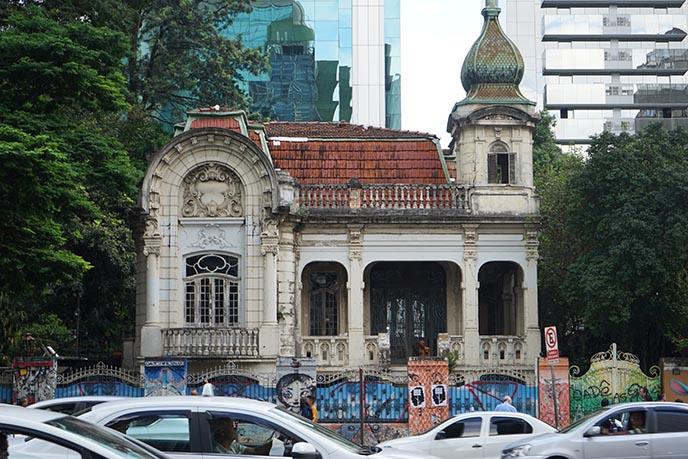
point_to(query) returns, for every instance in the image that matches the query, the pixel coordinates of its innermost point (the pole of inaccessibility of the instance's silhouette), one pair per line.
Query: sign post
(552, 346)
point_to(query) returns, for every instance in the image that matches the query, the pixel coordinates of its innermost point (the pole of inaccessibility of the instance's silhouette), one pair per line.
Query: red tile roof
(220, 122)
(341, 130)
(331, 153)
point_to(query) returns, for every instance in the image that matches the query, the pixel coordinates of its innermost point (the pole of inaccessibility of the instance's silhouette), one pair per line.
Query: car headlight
(517, 451)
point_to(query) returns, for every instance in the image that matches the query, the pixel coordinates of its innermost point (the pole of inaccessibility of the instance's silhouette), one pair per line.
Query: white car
(181, 426)
(475, 435)
(57, 436)
(639, 430)
(72, 405)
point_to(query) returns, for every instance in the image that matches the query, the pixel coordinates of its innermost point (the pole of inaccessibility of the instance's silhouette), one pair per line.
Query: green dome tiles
(493, 67)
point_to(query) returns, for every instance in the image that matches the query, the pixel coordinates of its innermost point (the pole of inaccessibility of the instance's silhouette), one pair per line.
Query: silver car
(639, 430)
(186, 427)
(475, 435)
(50, 435)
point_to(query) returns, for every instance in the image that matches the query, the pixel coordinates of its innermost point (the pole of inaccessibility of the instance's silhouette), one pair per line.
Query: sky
(435, 38)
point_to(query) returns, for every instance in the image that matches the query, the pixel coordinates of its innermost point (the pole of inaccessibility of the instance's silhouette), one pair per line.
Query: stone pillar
(530, 301)
(356, 286)
(151, 333)
(470, 287)
(287, 295)
(269, 337)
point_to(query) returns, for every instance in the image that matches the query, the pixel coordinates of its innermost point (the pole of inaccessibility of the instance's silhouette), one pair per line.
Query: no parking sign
(552, 345)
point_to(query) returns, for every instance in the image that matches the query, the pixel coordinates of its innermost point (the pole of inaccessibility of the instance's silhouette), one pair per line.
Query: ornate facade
(353, 246)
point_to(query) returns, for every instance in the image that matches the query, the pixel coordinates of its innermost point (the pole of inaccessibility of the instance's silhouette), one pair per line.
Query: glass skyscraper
(330, 60)
(603, 65)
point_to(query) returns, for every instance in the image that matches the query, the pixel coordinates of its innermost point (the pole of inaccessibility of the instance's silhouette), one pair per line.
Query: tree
(184, 59)
(68, 182)
(629, 208)
(559, 246)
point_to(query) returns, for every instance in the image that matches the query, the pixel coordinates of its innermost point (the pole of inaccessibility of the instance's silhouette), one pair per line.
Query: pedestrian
(605, 402)
(194, 392)
(314, 409)
(305, 408)
(208, 389)
(505, 405)
(661, 397)
(644, 395)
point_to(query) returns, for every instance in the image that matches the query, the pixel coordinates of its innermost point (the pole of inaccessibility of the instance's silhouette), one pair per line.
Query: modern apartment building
(613, 65)
(330, 60)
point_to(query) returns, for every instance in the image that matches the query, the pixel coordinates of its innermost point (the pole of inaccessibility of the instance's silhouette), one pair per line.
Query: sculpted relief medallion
(212, 190)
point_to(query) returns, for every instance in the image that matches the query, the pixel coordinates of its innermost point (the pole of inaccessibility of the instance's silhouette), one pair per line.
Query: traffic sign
(552, 345)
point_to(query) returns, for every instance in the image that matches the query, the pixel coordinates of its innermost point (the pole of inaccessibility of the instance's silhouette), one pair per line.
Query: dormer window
(501, 164)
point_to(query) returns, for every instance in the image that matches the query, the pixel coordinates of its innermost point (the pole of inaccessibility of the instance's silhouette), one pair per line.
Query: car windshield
(575, 425)
(105, 438)
(308, 424)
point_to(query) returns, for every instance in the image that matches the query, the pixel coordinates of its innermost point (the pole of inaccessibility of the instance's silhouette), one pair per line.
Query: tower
(492, 127)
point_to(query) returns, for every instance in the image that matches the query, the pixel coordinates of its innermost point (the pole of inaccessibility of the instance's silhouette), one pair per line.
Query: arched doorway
(408, 300)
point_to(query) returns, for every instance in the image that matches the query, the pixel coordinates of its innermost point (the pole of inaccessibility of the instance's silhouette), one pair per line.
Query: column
(269, 336)
(151, 333)
(355, 307)
(530, 301)
(470, 287)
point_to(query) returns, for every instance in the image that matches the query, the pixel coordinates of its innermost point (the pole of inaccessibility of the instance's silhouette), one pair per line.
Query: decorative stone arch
(171, 165)
(501, 308)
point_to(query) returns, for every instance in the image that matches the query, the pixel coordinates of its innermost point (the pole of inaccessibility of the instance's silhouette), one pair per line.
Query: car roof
(19, 414)
(75, 399)
(183, 400)
(647, 405)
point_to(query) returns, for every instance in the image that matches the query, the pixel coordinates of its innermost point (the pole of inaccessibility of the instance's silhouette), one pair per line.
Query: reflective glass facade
(610, 67)
(309, 45)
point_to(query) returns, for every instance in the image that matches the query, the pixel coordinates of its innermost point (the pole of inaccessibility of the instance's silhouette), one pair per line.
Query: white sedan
(475, 435)
(186, 426)
(50, 435)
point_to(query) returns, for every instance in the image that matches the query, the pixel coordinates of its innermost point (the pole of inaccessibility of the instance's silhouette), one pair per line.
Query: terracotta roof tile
(341, 130)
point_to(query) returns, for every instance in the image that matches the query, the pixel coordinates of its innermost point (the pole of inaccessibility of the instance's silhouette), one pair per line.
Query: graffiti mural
(561, 390)
(164, 376)
(613, 375)
(34, 380)
(427, 386)
(675, 379)
(296, 378)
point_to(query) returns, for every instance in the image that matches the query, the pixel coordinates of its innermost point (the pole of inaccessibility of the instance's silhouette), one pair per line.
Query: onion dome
(493, 67)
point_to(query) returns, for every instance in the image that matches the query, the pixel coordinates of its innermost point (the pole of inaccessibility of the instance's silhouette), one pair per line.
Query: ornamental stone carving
(212, 190)
(212, 235)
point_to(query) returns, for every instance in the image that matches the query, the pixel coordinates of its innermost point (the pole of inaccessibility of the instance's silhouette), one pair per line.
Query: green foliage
(614, 244)
(185, 61)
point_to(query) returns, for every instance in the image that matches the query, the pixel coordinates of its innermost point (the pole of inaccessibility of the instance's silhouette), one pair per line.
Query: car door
(670, 432)
(461, 439)
(502, 431)
(253, 436)
(171, 431)
(622, 444)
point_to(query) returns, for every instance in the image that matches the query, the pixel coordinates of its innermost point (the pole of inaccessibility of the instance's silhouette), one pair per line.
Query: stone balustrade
(385, 196)
(502, 349)
(326, 350)
(211, 342)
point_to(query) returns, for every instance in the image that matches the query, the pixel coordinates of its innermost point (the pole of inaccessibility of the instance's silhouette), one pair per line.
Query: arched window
(212, 290)
(325, 296)
(501, 165)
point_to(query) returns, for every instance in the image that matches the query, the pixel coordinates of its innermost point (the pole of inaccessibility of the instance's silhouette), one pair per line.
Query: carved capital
(355, 254)
(151, 250)
(151, 228)
(532, 243)
(269, 229)
(266, 248)
(470, 242)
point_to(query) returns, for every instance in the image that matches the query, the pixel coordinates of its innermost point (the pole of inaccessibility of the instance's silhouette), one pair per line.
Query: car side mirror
(303, 450)
(593, 431)
(441, 435)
